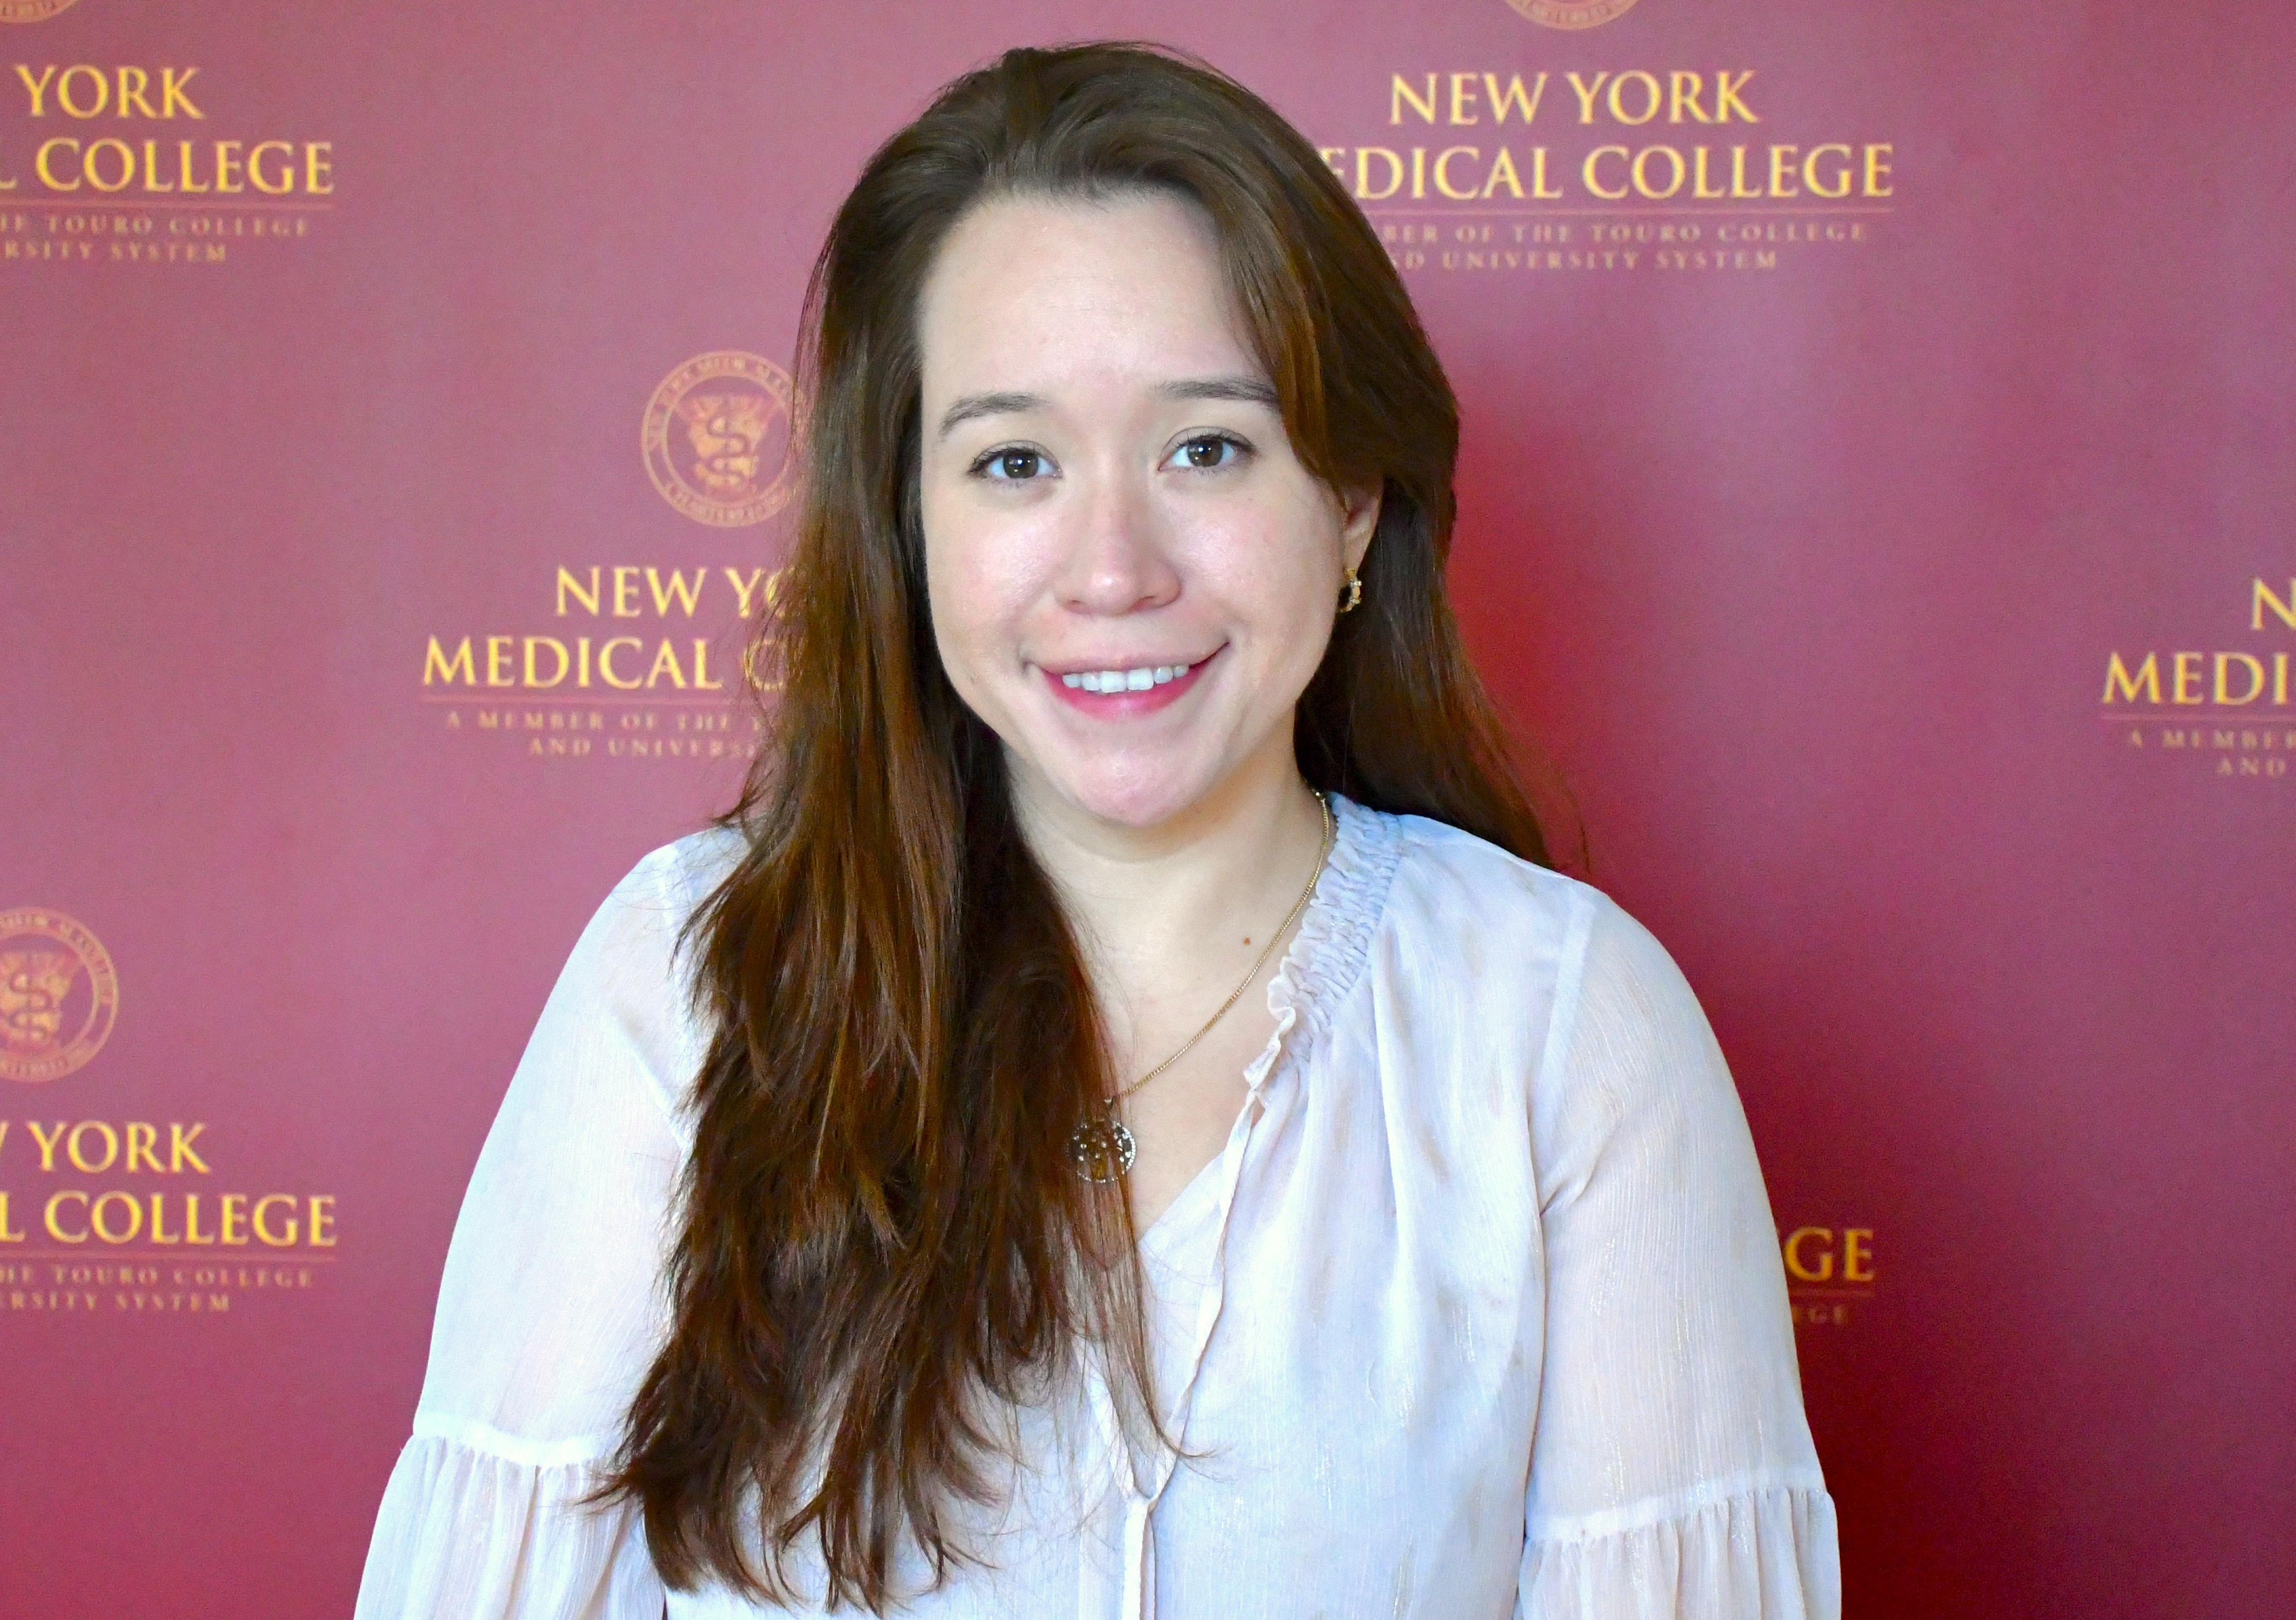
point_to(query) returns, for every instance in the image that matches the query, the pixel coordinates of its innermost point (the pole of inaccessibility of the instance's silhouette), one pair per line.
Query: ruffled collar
(1327, 954)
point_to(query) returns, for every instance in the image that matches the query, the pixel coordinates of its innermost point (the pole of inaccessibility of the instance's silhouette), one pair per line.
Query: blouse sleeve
(1672, 1474)
(551, 1307)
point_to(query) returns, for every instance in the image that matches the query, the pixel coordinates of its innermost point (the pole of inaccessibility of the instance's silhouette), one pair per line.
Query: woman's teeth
(1125, 680)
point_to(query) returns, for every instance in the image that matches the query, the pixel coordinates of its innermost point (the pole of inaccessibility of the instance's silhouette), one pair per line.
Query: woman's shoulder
(1450, 883)
(686, 872)
(631, 971)
(1623, 1028)
(1461, 899)
(648, 909)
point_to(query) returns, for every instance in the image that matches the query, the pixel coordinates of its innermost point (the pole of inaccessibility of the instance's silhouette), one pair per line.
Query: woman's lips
(1130, 700)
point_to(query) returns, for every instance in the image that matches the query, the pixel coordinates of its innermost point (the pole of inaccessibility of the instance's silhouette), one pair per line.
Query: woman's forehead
(1028, 291)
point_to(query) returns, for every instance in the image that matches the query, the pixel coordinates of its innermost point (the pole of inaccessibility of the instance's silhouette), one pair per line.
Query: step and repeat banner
(1878, 503)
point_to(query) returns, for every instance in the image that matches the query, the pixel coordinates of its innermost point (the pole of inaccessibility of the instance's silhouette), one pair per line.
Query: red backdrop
(1877, 493)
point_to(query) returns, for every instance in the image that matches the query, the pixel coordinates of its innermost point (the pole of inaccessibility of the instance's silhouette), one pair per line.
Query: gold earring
(1355, 593)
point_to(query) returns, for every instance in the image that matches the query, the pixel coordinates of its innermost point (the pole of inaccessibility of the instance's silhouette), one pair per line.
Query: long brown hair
(883, 1235)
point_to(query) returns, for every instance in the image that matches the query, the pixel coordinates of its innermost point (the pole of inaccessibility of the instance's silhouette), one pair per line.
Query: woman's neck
(1169, 916)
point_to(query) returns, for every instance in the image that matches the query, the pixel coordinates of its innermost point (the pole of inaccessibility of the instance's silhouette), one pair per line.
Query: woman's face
(1132, 575)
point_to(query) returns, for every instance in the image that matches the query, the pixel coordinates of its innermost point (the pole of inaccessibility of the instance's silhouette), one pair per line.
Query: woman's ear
(1358, 517)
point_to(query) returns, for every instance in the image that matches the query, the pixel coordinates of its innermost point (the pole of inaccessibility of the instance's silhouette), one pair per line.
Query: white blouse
(1479, 1313)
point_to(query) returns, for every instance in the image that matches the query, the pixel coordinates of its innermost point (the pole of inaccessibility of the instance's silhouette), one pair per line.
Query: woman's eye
(1213, 450)
(1011, 465)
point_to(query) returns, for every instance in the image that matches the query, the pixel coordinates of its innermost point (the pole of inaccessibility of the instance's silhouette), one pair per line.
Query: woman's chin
(1132, 797)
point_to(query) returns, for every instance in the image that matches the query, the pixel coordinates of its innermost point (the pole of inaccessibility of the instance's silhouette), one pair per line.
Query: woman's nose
(1117, 559)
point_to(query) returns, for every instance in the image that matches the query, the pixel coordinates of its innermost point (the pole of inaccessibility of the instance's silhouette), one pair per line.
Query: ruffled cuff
(469, 1531)
(1767, 1553)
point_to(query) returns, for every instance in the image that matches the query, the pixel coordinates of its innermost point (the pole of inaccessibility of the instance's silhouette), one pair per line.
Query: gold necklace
(1102, 1149)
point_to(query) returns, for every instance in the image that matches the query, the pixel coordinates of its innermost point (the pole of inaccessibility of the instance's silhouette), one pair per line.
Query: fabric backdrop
(1877, 501)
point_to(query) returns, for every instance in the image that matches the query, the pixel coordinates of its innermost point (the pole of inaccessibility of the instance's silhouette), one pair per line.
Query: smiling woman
(931, 1190)
(1137, 507)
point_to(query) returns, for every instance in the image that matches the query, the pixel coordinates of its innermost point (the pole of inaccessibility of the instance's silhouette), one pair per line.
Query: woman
(1117, 1121)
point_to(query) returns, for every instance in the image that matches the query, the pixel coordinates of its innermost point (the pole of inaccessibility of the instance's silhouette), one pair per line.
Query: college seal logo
(717, 438)
(1571, 13)
(31, 11)
(59, 994)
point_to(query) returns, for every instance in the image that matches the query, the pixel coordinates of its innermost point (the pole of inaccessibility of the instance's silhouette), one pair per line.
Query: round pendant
(1103, 1151)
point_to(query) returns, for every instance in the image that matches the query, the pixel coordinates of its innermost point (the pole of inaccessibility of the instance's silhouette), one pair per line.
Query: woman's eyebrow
(970, 405)
(1249, 390)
